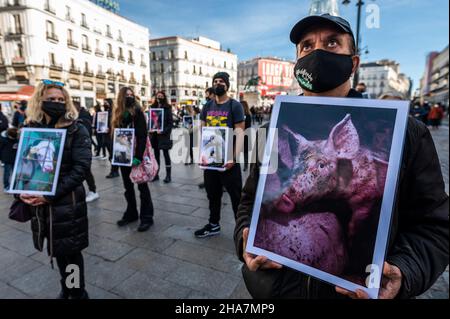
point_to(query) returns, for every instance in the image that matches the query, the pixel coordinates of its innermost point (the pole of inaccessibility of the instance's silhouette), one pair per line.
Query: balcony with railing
(143, 64)
(88, 73)
(86, 48)
(16, 34)
(133, 81)
(100, 75)
(121, 58)
(49, 8)
(52, 37)
(72, 44)
(97, 30)
(84, 25)
(145, 83)
(109, 34)
(70, 18)
(131, 61)
(56, 66)
(2, 61)
(74, 70)
(120, 39)
(18, 60)
(99, 53)
(122, 78)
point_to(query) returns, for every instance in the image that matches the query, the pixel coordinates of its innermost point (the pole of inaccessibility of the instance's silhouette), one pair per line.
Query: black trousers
(63, 262)
(101, 144)
(214, 183)
(146, 200)
(109, 146)
(91, 181)
(166, 158)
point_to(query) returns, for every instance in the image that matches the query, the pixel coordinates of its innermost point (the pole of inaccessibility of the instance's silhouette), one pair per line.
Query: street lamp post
(359, 4)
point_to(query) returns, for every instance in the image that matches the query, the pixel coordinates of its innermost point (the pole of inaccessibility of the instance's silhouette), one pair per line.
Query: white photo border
(63, 133)
(151, 130)
(387, 207)
(227, 140)
(116, 131)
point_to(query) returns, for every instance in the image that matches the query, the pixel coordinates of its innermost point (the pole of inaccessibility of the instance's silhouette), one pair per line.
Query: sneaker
(91, 197)
(208, 230)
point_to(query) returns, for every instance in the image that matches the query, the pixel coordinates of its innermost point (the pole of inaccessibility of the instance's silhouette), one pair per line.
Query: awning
(24, 93)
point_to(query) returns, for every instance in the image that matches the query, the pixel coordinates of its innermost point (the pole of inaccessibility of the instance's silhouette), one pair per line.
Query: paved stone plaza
(165, 262)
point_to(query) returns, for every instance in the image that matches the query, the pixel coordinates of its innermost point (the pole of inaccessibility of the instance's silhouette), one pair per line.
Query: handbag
(147, 170)
(19, 211)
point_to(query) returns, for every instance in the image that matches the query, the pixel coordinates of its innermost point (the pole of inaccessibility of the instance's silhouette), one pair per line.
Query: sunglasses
(51, 82)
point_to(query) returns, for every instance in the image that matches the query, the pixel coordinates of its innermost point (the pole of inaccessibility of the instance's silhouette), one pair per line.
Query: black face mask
(54, 109)
(130, 101)
(220, 90)
(322, 71)
(161, 101)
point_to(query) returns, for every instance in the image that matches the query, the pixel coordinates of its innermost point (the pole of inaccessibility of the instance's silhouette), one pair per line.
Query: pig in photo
(322, 206)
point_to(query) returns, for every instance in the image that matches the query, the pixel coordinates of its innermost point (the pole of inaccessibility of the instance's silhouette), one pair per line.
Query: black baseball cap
(298, 31)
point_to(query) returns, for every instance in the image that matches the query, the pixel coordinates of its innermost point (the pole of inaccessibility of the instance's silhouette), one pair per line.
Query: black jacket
(86, 119)
(3, 122)
(18, 119)
(163, 141)
(8, 149)
(138, 122)
(64, 221)
(419, 236)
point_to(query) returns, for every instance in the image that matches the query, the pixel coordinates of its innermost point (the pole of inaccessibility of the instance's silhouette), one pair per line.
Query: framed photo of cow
(38, 161)
(214, 148)
(102, 122)
(156, 120)
(326, 191)
(123, 147)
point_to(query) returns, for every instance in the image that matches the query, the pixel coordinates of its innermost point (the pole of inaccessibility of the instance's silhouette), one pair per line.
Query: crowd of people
(418, 248)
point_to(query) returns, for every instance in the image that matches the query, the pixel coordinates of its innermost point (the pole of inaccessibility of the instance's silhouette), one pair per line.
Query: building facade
(266, 76)
(184, 68)
(94, 51)
(384, 76)
(434, 85)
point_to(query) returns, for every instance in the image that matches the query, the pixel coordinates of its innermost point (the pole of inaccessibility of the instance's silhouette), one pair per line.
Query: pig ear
(289, 144)
(344, 139)
(381, 168)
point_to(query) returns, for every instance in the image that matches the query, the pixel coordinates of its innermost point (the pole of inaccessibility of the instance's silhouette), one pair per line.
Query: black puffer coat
(64, 221)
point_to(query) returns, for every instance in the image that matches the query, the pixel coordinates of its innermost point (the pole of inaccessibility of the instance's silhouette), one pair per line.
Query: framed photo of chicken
(38, 160)
(156, 120)
(214, 148)
(123, 147)
(188, 122)
(327, 187)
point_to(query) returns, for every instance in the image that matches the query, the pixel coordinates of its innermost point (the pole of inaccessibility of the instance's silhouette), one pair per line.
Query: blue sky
(409, 29)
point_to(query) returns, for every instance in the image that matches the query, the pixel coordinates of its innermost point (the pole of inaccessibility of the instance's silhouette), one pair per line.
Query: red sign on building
(276, 76)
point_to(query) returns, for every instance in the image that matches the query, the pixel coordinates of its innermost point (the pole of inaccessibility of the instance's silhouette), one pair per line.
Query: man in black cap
(418, 250)
(222, 111)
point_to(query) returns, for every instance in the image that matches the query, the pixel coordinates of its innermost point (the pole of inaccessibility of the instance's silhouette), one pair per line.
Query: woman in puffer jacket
(62, 218)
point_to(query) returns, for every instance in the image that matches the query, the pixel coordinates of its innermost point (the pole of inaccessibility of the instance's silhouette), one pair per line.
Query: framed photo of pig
(123, 147)
(327, 187)
(38, 160)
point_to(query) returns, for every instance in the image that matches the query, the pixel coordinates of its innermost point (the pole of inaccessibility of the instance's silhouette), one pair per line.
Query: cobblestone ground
(166, 262)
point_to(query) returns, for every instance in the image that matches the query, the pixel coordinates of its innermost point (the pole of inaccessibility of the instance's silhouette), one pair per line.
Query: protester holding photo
(108, 107)
(62, 218)
(190, 141)
(8, 149)
(86, 119)
(100, 136)
(162, 140)
(418, 250)
(128, 114)
(248, 124)
(223, 112)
